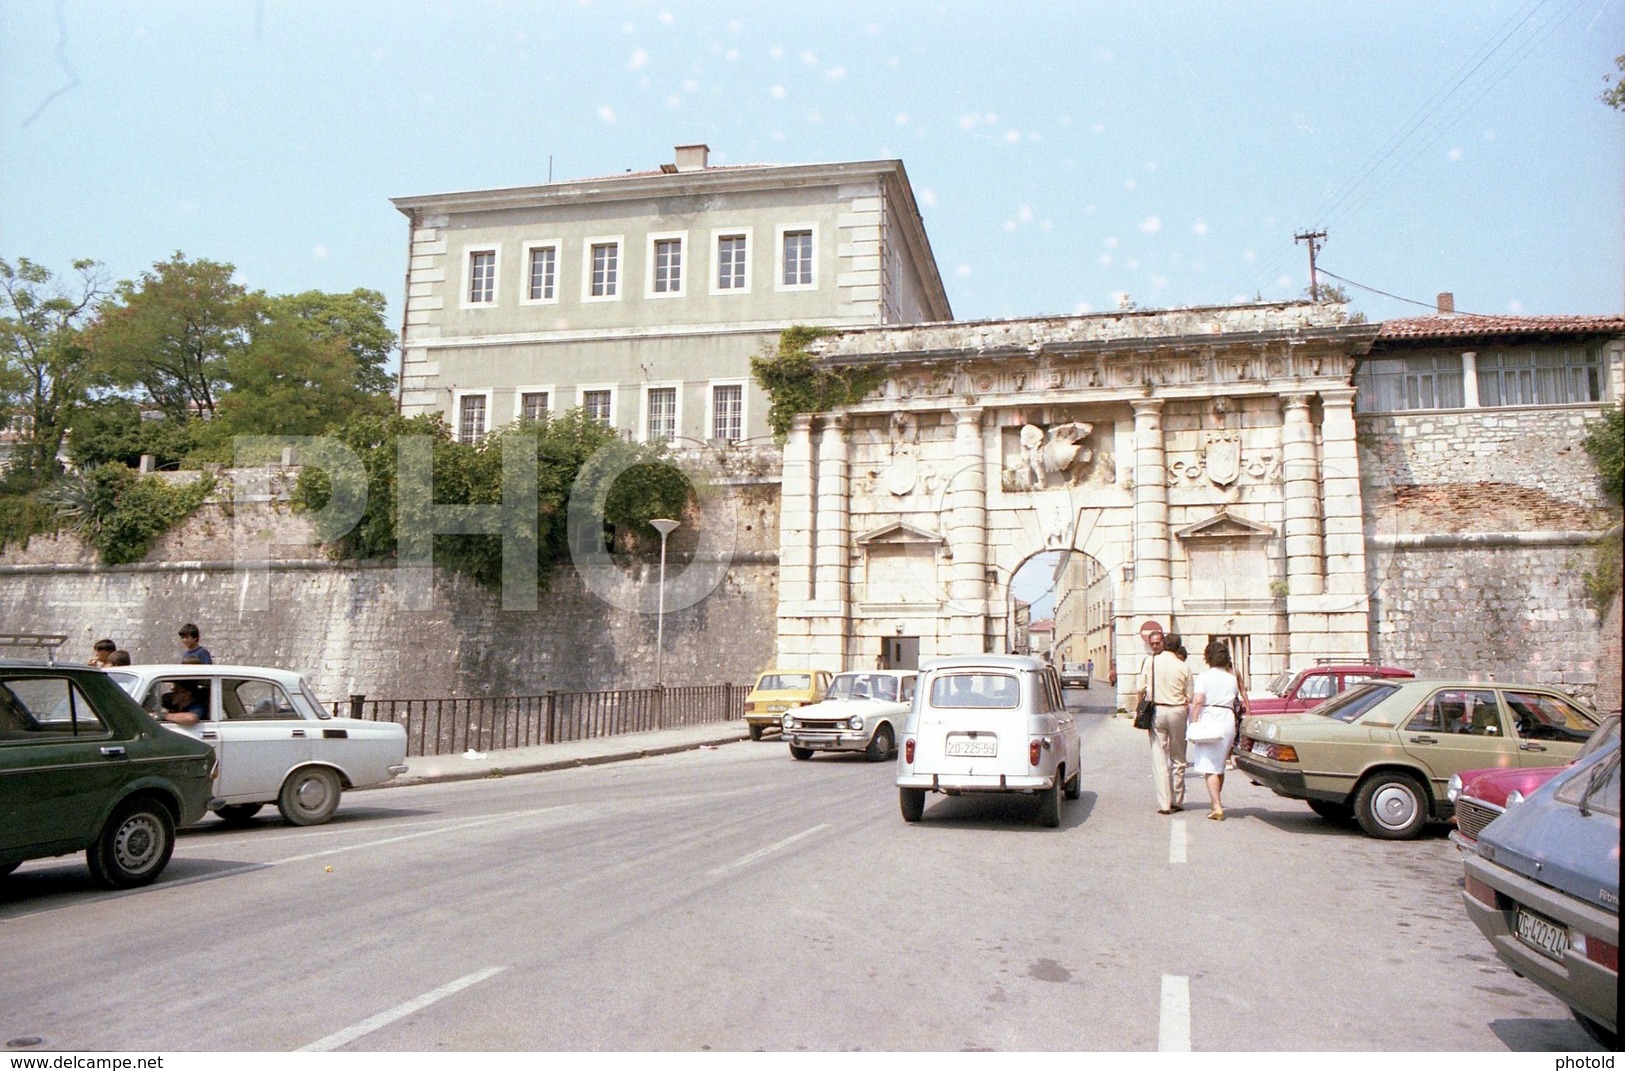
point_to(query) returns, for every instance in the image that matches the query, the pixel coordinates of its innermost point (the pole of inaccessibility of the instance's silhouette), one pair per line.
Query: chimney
(692, 157)
(1447, 303)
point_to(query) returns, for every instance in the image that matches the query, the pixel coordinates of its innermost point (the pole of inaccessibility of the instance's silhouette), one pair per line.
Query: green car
(84, 768)
(1383, 752)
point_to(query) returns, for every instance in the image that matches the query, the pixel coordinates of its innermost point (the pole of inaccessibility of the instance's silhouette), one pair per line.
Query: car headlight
(788, 722)
(1454, 788)
(855, 721)
(1514, 797)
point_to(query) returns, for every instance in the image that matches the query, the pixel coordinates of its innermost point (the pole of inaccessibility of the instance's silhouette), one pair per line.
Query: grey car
(1544, 888)
(863, 711)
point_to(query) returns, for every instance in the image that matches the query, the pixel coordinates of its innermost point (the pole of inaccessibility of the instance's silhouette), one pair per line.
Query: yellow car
(779, 690)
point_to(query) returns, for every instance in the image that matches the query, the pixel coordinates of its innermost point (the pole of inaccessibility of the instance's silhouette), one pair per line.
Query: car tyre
(800, 754)
(1049, 803)
(1074, 787)
(309, 796)
(1608, 1039)
(239, 814)
(1391, 806)
(755, 732)
(134, 846)
(1339, 813)
(881, 746)
(912, 801)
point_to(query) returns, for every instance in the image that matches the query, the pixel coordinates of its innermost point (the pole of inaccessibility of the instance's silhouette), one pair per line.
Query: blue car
(1544, 888)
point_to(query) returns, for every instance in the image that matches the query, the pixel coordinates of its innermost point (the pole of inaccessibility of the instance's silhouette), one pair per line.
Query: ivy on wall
(797, 382)
(1605, 442)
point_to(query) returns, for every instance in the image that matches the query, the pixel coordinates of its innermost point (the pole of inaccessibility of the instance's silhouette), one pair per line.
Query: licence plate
(1543, 936)
(777, 708)
(973, 747)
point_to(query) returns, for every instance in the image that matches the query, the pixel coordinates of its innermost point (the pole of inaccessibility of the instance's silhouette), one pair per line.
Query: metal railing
(452, 726)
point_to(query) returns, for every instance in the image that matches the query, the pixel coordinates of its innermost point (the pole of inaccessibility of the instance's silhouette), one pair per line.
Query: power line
(1396, 297)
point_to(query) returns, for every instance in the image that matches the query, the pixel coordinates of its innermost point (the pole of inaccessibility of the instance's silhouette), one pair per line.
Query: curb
(551, 765)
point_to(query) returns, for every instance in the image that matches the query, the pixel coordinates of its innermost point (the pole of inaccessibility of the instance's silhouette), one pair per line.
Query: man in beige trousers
(1166, 681)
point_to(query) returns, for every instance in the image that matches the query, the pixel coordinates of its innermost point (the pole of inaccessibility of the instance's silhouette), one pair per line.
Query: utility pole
(1314, 247)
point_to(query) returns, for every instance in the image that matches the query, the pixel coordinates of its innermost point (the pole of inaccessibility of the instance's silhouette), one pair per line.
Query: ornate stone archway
(1204, 457)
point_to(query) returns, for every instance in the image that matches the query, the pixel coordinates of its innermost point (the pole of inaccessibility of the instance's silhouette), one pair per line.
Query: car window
(1279, 683)
(255, 700)
(36, 709)
(908, 689)
(165, 696)
(1546, 717)
(1355, 702)
(1462, 711)
(1319, 686)
(1602, 737)
(976, 690)
(784, 682)
(1596, 790)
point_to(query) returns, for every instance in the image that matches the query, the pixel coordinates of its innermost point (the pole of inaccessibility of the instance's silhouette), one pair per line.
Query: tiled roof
(1460, 326)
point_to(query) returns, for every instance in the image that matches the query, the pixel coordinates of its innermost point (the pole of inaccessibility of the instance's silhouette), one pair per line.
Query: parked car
(1383, 752)
(1291, 693)
(83, 768)
(781, 690)
(276, 742)
(1074, 674)
(1543, 887)
(989, 723)
(862, 712)
(1481, 796)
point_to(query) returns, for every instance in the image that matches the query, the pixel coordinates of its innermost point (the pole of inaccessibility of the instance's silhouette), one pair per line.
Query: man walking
(1166, 681)
(192, 650)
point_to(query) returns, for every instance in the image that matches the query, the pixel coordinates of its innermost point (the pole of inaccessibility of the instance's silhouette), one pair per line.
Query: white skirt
(1209, 756)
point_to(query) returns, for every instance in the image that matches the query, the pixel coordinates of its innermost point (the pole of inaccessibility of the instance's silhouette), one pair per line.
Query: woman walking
(1216, 703)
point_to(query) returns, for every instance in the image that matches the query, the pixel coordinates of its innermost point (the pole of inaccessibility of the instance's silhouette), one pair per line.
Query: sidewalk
(421, 769)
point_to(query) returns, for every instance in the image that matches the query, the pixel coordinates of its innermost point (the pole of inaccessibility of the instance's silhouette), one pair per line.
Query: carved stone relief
(1056, 456)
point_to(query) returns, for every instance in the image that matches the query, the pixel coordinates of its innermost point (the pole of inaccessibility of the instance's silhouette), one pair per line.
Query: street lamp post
(665, 527)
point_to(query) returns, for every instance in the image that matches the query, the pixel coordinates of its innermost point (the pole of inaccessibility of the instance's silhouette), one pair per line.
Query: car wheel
(800, 754)
(881, 745)
(912, 801)
(309, 796)
(1049, 803)
(1391, 806)
(134, 846)
(1603, 1036)
(1074, 787)
(755, 732)
(1333, 812)
(239, 814)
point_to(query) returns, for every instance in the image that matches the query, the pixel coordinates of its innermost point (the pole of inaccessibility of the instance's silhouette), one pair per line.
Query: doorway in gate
(900, 652)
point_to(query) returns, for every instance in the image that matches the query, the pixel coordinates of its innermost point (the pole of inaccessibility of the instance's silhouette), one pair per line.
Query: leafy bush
(121, 513)
(797, 382)
(114, 432)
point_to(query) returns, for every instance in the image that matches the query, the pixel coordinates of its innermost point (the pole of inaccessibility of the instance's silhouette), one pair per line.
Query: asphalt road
(733, 899)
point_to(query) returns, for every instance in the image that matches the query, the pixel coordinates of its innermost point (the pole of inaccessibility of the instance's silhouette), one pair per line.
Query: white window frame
(519, 398)
(524, 266)
(614, 400)
(457, 397)
(676, 387)
(778, 273)
(717, 235)
(687, 265)
(711, 408)
(469, 252)
(587, 247)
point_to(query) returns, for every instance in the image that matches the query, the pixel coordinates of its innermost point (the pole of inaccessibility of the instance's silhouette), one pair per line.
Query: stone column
(967, 537)
(1153, 587)
(1300, 473)
(796, 533)
(832, 551)
(1340, 471)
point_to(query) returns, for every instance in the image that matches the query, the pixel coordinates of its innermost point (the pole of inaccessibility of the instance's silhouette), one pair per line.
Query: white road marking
(753, 856)
(1174, 1029)
(399, 1011)
(413, 836)
(1176, 841)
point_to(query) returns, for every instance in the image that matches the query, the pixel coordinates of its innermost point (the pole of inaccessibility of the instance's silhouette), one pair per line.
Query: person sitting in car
(183, 705)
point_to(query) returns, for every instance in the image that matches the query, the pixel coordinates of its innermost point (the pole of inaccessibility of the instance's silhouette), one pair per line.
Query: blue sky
(1065, 154)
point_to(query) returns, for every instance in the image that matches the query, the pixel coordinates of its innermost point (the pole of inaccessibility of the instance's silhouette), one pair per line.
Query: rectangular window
(1545, 375)
(482, 277)
(728, 411)
(798, 258)
(668, 266)
(533, 405)
(470, 418)
(606, 268)
(731, 262)
(598, 405)
(1419, 381)
(543, 269)
(661, 425)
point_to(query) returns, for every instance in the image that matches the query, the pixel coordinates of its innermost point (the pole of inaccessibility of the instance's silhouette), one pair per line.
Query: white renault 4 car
(989, 723)
(274, 740)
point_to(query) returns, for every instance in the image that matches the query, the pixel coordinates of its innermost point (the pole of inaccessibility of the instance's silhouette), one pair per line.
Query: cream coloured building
(641, 297)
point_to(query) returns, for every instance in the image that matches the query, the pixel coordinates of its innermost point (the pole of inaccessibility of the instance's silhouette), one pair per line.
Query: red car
(1289, 694)
(1481, 796)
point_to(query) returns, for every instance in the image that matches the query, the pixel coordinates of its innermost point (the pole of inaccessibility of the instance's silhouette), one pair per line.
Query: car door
(263, 737)
(1549, 729)
(1458, 729)
(60, 763)
(1314, 689)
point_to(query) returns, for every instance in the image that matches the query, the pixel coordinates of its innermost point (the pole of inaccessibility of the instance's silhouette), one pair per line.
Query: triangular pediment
(1225, 525)
(898, 532)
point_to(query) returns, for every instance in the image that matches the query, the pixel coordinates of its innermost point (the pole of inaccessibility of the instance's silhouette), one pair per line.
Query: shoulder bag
(1146, 714)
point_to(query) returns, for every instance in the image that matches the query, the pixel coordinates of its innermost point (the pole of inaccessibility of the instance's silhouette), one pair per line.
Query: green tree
(1615, 96)
(356, 318)
(1605, 442)
(45, 366)
(113, 430)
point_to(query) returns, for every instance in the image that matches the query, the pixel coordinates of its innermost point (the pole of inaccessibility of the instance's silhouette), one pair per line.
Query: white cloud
(1454, 154)
(809, 59)
(1012, 136)
(732, 55)
(1083, 308)
(666, 18)
(1131, 185)
(639, 59)
(606, 113)
(1515, 307)
(1105, 260)
(1010, 225)
(835, 74)
(674, 101)
(776, 52)
(1283, 280)
(319, 252)
(925, 195)
(777, 92)
(1110, 242)
(963, 271)
(1249, 256)
(1199, 228)
(901, 119)
(1025, 213)
(1150, 225)
(1097, 128)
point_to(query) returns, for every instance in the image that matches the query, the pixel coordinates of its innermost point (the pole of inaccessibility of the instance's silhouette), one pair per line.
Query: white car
(275, 741)
(989, 723)
(863, 711)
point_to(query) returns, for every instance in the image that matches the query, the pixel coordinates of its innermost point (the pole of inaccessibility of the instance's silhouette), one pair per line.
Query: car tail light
(908, 751)
(1595, 949)
(1032, 751)
(1480, 891)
